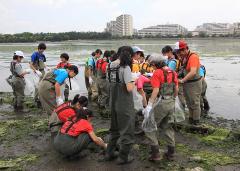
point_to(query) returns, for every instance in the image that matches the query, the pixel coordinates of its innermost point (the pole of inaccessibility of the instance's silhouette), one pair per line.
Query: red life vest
(63, 65)
(65, 111)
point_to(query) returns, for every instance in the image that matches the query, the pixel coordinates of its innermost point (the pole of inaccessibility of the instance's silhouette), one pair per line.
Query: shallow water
(220, 56)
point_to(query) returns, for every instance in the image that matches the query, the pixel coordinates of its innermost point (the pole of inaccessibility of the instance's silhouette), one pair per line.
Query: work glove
(90, 80)
(135, 75)
(59, 101)
(149, 74)
(38, 73)
(146, 110)
(28, 71)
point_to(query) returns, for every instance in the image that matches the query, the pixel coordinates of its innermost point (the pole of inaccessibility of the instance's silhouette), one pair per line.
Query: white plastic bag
(149, 124)
(137, 99)
(179, 114)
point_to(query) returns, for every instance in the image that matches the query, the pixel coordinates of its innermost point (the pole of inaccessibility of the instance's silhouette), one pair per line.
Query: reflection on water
(220, 56)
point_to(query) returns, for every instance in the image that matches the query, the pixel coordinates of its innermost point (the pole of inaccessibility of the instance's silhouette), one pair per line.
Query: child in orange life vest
(68, 109)
(77, 134)
(64, 64)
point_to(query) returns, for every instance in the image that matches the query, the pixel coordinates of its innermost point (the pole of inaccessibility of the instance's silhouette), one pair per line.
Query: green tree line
(53, 37)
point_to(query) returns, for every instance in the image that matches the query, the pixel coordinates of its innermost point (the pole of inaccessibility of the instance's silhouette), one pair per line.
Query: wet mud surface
(26, 144)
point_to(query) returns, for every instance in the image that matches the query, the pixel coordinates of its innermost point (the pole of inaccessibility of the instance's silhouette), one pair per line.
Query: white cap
(19, 53)
(137, 49)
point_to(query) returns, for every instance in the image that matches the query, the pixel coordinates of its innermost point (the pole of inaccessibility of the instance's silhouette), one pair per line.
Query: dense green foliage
(31, 37)
(54, 37)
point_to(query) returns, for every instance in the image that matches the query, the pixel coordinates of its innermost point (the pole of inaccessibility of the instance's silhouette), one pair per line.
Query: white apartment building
(123, 26)
(163, 30)
(215, 29)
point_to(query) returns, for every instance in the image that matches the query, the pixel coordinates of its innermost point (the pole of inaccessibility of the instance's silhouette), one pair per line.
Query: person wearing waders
(17, 81)
(103, 88)
(90, 75)
(64, 64)
(37, 64)
(62, 113)
(121, 107)
(49, 88)
(192, 81)
(165, 86)
(77, 134)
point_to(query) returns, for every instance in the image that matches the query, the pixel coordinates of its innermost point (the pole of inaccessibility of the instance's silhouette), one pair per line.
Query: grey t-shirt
(125, 74)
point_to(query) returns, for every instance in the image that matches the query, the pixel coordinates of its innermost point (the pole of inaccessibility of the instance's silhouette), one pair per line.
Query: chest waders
(163, 113)
(18, 86)
(47, 94)
(122, 115)
(192, 91)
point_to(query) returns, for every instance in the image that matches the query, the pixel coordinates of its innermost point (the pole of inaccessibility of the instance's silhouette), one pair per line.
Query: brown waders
(70, 146)
(122, 121)
(47, 94)
(39, 66)
(204, 102)
(18, 86)
(192, 93)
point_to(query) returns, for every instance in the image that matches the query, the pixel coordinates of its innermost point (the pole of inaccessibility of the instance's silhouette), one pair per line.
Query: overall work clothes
(204, 102)
(192, 91)
(103, 86)
(38, 65)
(18, 84)
(163, 113)
(122, 117)
(47, 94)
(69, 146)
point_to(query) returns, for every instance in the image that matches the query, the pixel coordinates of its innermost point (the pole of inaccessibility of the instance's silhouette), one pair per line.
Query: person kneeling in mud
(77, 134)
(67, 110)
(165, 86)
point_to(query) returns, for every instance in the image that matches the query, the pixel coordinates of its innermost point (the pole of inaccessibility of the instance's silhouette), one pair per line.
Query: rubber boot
(124, 157)
(169, 155)
(190, 120)
(196, 122)
(155, 154)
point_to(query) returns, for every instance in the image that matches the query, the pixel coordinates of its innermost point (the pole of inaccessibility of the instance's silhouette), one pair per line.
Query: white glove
(28, 71)
(59, 101)
(146, 111)
(38, 73)
(135, 75)
(90, 80)
(149, 74)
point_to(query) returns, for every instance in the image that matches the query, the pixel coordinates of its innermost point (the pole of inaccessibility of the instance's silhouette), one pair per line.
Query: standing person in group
(64, 64)
(17, 80)
(49, 87)
(165, 86)
(90, 74)
(138, 52)
(77, 134)
(103, 89)
(172, 63)
(204, 102)
(37, 65)
(192, 83)
(121, 106)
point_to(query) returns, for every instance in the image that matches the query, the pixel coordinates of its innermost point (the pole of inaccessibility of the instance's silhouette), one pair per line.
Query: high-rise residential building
(163, 30)
(123, 26)
(215, 29)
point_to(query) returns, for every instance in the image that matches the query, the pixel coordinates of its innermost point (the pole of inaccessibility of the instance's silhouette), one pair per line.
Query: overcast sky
(91, 15)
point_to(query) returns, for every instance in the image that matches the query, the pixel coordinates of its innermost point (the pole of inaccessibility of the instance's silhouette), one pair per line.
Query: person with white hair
(165, 87)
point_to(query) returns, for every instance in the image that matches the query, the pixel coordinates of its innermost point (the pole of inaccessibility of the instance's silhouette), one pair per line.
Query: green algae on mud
(17, 163)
